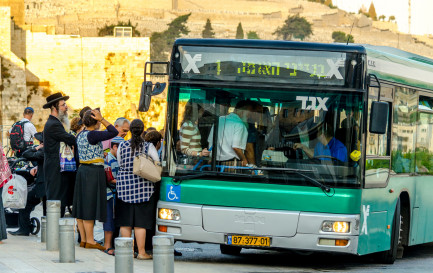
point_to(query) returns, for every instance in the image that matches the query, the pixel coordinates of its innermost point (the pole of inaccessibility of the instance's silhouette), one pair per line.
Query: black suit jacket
(38, 156)
(54, 133)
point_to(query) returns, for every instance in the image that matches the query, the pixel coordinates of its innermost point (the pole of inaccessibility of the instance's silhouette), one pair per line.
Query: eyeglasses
(63, 105)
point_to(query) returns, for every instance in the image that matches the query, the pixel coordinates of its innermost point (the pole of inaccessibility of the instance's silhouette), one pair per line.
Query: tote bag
(67, 160)
(145, 167)
(15, 193)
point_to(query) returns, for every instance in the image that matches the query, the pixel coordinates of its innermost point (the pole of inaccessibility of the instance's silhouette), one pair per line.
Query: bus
(296, 145)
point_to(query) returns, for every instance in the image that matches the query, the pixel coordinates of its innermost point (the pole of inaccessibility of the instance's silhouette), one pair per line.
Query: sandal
(141, 257)
(107, 251)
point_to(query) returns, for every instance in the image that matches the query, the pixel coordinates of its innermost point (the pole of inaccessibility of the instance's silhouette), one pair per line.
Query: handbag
(67, 159)
(145, 167)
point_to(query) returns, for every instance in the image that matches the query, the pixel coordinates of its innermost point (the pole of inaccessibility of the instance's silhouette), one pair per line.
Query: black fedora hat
(51, 99)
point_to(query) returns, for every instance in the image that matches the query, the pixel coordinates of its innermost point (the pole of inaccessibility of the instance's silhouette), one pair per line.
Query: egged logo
(315, 103)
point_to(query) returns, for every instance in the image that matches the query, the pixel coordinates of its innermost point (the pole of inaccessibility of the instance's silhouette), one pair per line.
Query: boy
(111, 169)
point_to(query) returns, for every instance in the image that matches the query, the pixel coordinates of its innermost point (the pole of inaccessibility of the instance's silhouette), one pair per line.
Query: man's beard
(63, 117)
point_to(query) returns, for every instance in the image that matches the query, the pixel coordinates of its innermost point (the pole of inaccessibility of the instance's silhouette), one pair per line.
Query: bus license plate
(240, 240)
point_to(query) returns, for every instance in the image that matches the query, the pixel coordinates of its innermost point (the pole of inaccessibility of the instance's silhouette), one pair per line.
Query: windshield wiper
(194, 176)
(313, 181)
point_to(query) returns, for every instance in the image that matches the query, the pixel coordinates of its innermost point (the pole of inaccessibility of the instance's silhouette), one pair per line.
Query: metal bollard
(163, 254)
(43, 229)
(124, 258)
(67, 238)
(53, 216)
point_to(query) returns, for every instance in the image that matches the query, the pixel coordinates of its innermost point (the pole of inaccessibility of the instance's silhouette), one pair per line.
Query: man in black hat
(54, 133)
(37, 191)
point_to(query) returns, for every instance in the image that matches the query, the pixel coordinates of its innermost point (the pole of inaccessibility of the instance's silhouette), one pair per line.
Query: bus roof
(269, 44)
(395, 65)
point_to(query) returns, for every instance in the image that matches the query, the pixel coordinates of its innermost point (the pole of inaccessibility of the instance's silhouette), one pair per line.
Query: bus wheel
(230, 250)
(389, 256)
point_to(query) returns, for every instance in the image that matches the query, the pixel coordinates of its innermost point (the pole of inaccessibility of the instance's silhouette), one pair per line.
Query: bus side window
(424, 139)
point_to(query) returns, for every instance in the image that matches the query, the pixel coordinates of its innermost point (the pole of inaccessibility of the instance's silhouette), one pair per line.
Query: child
(111, 169)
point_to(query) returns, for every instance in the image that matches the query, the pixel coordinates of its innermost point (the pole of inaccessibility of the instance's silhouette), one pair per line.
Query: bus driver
(327, 145)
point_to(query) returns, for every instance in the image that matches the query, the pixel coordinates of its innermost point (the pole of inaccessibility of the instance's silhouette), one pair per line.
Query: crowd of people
(90, 171)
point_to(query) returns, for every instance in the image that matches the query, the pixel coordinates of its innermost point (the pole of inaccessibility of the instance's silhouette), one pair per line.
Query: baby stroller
(20, 166)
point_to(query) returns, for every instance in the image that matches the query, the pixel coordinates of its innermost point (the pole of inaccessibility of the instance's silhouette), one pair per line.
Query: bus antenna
(348, 36)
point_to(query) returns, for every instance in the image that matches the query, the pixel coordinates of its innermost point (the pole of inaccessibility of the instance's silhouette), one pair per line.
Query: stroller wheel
(36, 225)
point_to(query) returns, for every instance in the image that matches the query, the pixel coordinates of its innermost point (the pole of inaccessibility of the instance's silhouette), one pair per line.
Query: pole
(163, 254)
(53, 216)
(43, 229)
(67, 247)
(124, 258)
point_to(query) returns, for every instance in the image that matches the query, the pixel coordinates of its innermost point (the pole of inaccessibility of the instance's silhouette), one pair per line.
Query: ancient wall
(99, 72)
(13, 95)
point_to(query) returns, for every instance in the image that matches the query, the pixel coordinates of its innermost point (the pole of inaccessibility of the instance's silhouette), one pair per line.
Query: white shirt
(29, 130)
(232, 133)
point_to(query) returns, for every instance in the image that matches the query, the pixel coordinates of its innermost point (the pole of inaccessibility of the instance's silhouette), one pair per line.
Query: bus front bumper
(286, 229)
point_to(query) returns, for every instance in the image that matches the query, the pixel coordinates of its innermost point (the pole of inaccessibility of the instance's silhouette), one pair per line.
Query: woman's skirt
(3, 234)
(90, 194)
(140, 215)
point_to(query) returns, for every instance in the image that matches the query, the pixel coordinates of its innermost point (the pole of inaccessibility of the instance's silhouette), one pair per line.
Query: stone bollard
(53, 216)
(124, 258)
(67, 240)
(163, 254)
(43, 229)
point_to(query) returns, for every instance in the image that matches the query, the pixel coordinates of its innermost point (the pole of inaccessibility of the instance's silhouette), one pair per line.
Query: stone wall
(17, 10)
(13, 95)
(99, 72)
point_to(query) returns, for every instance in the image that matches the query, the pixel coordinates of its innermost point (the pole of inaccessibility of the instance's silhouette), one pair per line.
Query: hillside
(84, 17)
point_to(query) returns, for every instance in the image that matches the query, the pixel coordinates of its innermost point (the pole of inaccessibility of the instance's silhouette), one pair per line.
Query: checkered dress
(130, 187)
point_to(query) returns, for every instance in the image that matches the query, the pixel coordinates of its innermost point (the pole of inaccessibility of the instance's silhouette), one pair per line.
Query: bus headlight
(336, 226)
(169, 214)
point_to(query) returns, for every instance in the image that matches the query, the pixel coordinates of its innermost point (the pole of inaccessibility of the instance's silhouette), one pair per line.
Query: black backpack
(17, 136)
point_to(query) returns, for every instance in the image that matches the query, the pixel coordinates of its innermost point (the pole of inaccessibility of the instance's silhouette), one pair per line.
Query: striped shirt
(190, 138)
(111, 162)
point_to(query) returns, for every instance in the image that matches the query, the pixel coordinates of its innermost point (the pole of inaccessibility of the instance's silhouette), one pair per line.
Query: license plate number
(241, 240)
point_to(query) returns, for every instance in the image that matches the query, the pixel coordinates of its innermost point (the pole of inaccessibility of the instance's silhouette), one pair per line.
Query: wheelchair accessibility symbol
(173, 193)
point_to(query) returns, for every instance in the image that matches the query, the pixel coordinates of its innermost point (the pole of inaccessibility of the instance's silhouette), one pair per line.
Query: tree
(208, 30)
(108, 30)
(294, 26)
(341, 37)
(239, 32)
(162, 42)
(372, 12)
(252, 35)
(391, 18)
(382, 18)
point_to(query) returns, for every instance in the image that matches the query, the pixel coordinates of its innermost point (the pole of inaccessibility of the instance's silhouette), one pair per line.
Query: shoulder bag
(145, 167)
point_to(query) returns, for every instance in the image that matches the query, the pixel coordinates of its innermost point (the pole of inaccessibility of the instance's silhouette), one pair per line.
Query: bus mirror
(379, 117)
(145, 96)
(158, 88)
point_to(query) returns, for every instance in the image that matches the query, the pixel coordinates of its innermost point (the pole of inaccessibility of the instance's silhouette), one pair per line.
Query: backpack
(17, 136)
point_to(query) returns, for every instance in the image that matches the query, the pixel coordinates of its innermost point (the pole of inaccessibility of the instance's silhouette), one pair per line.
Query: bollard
(67, 240)
(124, 258)
(163, 254)
(52, 234)
(43, 229)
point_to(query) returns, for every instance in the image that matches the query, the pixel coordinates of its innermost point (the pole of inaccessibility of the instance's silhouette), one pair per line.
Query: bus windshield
(256, 133)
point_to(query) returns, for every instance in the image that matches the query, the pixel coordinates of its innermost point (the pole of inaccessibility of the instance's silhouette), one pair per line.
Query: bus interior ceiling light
(335, 226)
(169, 214)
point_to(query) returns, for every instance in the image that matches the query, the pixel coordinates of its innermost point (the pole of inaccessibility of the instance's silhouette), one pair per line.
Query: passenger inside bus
(190, 138)
(233, 135)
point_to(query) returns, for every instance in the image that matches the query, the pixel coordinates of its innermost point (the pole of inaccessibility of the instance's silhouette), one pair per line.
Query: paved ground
(27, 254)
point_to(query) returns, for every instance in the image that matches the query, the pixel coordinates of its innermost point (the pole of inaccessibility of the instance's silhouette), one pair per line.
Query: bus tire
(230, 250)
(389, 256)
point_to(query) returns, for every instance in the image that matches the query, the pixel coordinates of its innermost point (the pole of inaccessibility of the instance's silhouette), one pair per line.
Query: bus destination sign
(263, 65)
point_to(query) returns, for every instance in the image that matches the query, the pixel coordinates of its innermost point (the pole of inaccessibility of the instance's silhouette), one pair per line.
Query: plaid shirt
(130, 187)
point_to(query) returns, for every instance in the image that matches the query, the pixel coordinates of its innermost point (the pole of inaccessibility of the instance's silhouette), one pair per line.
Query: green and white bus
(339, 142)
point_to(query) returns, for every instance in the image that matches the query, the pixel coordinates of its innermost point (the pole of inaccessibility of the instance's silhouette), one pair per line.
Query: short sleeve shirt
(334, 148)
